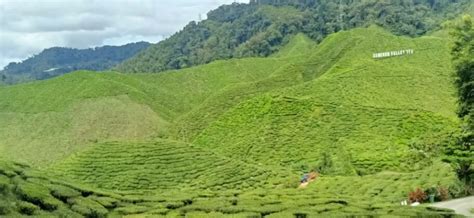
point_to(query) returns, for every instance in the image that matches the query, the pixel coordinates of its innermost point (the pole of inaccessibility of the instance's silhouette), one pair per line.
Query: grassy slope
(63, 115)
(422, 81)
(363, 112)
(311, 63)
(42, 138)
(298, 45)
(254, 124)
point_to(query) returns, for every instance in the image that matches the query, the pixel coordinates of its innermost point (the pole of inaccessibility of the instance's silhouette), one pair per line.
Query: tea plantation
(63, 115)
(362, 111)
(233, 138)
(27, 192)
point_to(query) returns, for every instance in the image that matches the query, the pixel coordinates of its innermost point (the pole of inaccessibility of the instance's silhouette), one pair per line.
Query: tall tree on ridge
(460, 153)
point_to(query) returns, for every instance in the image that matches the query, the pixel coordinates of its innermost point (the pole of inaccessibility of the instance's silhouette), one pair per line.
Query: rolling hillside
(234, 137)
(359, 109)
(69, 112)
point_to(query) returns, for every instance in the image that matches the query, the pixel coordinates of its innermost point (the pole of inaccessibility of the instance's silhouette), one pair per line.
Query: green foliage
(463, 53)
(5, 207)
(133, 209)
(87, 207)
(37, 194)
(63, 193)
(260, 29)
(57, 61)
(107, 202)
(4, 183)
(325, 164)
(27, 208)
(460, 152)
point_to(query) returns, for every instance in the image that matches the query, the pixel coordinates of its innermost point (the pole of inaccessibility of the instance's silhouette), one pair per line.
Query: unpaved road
(461, 206)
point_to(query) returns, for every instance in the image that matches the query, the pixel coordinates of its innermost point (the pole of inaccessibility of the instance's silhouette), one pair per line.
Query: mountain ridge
(261, 28)
(55, 61)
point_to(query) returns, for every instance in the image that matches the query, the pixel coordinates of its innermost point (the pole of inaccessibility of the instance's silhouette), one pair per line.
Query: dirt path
(461, 206)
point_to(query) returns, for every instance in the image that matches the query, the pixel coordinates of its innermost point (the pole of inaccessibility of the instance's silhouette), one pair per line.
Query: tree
(325, 164)
(463, 56)
(460, 154)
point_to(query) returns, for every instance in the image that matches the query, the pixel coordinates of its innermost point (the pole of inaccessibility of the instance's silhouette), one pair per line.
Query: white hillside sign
(393, 53)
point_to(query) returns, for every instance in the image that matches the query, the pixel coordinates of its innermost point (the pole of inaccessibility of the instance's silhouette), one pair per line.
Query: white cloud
(29, 26)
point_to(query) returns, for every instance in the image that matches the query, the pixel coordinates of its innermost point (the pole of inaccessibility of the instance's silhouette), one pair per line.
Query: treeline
(261, 27)
(433, 4)
(460, 153)
(57, 61)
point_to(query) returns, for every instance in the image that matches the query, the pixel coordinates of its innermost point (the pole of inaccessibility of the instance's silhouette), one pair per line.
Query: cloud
(29, 26)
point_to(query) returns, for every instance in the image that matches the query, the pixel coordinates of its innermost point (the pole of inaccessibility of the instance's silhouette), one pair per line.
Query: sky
(29, 26)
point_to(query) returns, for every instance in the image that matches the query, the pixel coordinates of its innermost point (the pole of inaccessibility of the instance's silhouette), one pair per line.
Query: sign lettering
(393, 53)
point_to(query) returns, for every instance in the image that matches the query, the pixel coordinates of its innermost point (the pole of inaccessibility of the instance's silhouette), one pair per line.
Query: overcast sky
(29, 26)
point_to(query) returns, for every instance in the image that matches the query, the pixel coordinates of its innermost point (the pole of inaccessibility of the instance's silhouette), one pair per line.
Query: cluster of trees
(57, 61)
(460, 152)
(263, 26)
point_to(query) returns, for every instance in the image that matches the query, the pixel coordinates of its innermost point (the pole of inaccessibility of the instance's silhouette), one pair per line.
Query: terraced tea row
(359, 139)
(28, 192)
(164, 165)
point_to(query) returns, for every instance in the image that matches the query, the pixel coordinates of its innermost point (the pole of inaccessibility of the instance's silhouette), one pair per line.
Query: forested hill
(261, 27)
(57, 61)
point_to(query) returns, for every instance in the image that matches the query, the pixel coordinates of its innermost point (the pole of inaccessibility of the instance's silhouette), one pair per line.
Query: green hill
(262, 27)
(67, 113)
(365, 111)
(234, 137)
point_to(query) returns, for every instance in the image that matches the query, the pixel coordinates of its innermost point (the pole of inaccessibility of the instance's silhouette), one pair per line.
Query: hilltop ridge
(263, 27)
(57, 61)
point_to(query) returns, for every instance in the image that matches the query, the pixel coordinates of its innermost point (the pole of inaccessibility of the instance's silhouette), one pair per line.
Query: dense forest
(263, 26)
(56, 61)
